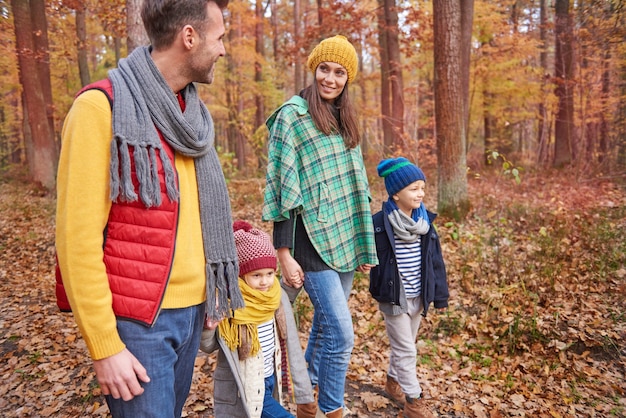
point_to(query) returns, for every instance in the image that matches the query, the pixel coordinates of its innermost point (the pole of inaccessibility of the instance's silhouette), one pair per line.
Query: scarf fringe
(122, 188)
(127, 191)
(146, 169)
(213, 299)
(232, 275)
(114, 172)
(170, 176)
(143, 172)
(221, 290)
(222, 298)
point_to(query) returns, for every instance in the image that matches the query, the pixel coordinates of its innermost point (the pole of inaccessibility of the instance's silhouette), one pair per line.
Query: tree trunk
(467, 18)
(33, 66)
(564, 129)
(543, 133)
(365, 141)
(137, 35)
(451, 56)
(236, 139)
(81, 35)
(40, 37)
(619, 120)
(297, 36)
(274, 23)
(395, 75)
(491, 143)
(606, 91)
(385, 85)
(258, 76)
(117, 47)
(319, 13)
(258, 66)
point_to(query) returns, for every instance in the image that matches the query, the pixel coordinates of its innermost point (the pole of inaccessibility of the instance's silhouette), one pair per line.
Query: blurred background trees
(543, 81)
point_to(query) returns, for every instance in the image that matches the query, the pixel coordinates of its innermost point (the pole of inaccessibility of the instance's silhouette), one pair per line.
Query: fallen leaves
(536, 324)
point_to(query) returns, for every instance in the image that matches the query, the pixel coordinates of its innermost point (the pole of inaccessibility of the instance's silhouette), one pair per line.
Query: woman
(318, 197)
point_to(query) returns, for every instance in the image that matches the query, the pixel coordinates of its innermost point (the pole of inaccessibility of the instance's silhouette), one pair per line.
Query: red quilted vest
(138, 248)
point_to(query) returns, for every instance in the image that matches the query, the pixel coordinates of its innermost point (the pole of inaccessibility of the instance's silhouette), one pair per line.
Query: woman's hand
(365, 268)
(292, 273)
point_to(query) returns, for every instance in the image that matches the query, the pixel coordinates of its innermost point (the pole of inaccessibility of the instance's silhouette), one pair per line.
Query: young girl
(318, 197)
(410, 276)
(248, 373)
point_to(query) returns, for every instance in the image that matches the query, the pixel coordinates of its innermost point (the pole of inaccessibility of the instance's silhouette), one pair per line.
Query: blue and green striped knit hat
(399, 173)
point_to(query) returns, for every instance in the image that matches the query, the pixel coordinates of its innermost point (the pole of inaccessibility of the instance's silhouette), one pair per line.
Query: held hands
(119, 375)
(292, 273)
(365, 268)
(210, 323)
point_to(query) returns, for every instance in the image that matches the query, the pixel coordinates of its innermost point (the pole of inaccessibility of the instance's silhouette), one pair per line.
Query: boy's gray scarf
(405, 227)
(144, 102)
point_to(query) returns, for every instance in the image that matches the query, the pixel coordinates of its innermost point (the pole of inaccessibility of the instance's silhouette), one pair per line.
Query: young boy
(410, 275)
(248, 374)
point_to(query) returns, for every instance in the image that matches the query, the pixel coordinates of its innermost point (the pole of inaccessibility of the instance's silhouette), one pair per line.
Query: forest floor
(536, 325)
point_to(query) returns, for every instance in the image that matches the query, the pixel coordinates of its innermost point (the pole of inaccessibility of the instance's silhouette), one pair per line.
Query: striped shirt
(268, 346)
(409, 258)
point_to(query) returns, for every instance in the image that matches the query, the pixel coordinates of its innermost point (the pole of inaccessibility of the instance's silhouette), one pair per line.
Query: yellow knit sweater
(82, 211)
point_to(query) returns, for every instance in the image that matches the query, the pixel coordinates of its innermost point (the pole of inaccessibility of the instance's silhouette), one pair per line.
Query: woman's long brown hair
(324, 117)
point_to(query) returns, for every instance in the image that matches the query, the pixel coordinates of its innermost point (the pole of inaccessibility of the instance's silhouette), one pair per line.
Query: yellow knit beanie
(336, 49)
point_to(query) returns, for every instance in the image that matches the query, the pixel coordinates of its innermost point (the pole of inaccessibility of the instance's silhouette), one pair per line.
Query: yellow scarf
(259, 308)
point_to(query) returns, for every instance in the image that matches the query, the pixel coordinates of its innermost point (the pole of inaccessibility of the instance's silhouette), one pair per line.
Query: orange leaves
(541, 336)
(374, 401)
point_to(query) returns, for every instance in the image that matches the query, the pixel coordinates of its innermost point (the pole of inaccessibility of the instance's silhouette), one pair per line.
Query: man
(143, 230)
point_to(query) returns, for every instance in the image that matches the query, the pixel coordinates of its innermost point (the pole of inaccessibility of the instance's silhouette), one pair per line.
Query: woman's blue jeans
(168, 351)
(332, 335)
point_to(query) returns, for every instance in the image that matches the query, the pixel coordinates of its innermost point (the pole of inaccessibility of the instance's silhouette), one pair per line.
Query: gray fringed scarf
(144, 102)
(407, 228)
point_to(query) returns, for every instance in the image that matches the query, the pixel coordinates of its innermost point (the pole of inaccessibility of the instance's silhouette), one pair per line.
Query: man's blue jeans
(332, 335)
(168, 351)
(271, 407)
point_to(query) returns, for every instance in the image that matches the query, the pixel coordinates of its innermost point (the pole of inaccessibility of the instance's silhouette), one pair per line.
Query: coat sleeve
(83, 206)
(208, 341)
(303, 391)
(441, 277)
(282, 189)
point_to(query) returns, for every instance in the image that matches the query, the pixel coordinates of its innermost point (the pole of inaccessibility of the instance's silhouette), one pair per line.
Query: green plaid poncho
(325, 182)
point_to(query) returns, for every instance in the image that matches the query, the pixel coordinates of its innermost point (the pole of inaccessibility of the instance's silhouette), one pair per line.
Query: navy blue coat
(385, 281)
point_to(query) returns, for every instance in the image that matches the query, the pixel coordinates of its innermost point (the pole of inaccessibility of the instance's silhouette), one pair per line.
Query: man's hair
(163, 19)
(324, 118)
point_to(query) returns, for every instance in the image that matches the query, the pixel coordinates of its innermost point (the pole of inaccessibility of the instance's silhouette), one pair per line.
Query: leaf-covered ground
(536, 325)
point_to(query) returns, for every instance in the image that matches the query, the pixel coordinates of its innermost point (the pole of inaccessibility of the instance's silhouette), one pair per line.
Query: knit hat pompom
(254, 248)
(399, 173)
(335, 49)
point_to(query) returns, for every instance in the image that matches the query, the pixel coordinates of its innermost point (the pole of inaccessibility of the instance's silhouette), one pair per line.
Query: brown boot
(394, 391)
(417, 408)
(307, 410)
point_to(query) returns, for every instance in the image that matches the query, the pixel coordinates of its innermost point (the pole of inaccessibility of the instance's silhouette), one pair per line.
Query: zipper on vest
(169, 273)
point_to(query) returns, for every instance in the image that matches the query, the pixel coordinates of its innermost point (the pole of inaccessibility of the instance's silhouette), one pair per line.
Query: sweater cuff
(283, 233)
(439, 304)
(104, 344)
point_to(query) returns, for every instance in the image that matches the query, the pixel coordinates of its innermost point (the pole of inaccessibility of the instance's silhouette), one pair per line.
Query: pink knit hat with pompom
(254, 248)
